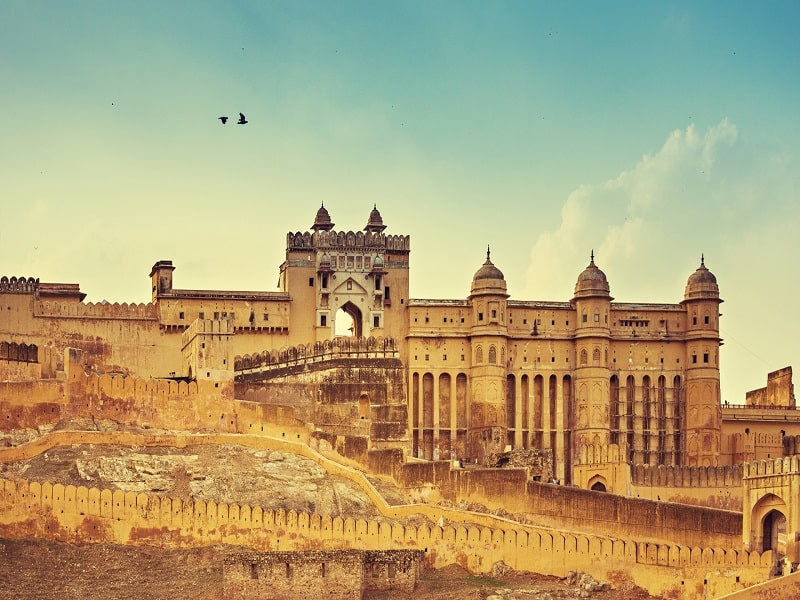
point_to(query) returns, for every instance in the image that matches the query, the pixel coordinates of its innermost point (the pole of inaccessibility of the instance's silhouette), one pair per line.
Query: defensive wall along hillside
(201, 405)
(475, 541)
(197, 406)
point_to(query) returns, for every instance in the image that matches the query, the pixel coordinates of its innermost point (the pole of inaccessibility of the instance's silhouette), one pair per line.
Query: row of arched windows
(492, 355)
(19, 352)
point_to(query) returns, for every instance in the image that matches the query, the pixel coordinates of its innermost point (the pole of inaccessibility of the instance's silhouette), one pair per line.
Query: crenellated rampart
(476, 541)
(777, 466)
(96, 310)
(689, 477)
(307, 354)
(93, 515)
(347, 239)
(18, 285)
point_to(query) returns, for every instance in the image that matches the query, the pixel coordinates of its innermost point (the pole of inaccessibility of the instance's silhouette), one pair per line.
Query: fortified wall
(350, 387)
(334, 574)
(147, 403)
(90, 515)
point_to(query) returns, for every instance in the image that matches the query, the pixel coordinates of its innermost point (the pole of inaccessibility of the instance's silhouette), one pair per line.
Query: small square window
(596, 317)
(462, 319)
(427, 357)
(494, 314)
(201, 316)
(266, 317)
(706, 319)
(323, 320)
(376, 321)
(180, 316)
(444, 356)
(552, 359)
(480, 316)
(585, 318)
(524, 321)
(705, 357)
(694, 358)
(427, 319)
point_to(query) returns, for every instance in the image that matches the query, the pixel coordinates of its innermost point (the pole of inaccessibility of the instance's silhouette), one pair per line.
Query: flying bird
(223, 119)
(241, 120)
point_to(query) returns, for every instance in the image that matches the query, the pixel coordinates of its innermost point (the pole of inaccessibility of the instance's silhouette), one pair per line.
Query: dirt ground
(40, 569)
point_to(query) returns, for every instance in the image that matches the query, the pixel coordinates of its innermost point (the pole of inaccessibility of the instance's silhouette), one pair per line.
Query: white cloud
(709, 192)
(649, 216)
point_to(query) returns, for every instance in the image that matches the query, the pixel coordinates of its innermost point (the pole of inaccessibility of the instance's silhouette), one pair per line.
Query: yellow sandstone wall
(90, 515)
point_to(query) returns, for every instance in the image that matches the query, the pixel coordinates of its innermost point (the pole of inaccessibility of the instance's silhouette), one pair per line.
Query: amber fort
(551, 436)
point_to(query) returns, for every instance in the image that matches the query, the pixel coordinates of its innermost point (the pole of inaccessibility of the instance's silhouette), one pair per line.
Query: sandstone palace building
(487, 372)
(614, 397)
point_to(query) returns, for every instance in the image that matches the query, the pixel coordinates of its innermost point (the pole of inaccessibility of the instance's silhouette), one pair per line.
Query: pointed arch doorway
(348, 321)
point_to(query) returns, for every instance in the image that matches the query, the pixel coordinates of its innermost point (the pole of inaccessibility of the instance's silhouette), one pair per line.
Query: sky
(649, 133)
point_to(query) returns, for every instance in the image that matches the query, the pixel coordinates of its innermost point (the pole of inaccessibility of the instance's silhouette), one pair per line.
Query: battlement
(687, 477)
(93, 515)
(18, 285)
(96, 310)
(778, 466)
(349, 239)
(345, 347)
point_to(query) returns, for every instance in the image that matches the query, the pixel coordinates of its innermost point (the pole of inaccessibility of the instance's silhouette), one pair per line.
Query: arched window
(596, 356)
(492, 355)
(583, 357)
(478, 355)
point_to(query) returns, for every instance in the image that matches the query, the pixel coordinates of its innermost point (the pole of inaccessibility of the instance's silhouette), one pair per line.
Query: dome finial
(702, 259)
(375, 221)
(591, 257)
(322, 222)
(488, 252)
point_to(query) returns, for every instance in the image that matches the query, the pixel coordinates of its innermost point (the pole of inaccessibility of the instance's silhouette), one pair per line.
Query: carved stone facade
(484, 374)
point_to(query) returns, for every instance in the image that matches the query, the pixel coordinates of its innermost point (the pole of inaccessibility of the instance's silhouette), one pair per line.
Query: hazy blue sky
(649, 132)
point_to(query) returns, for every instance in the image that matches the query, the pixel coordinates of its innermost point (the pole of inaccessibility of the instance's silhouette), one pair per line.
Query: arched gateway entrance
(771, 507)
(773, 531)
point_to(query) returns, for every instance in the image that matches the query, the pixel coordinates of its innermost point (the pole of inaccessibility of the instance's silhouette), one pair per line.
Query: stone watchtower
(363, 274)
(488, 424)
(592, 303)
(161, 278)
(702, 418)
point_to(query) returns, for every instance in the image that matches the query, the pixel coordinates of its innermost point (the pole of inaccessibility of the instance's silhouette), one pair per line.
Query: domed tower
(702, 414)
(375, 221)
(488, 424)
(590, 417)
(322, 222)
